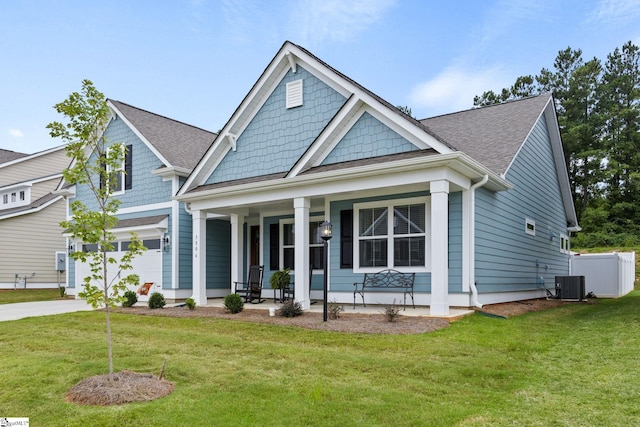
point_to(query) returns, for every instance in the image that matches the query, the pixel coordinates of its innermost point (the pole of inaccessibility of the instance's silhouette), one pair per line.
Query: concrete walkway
(21, 310)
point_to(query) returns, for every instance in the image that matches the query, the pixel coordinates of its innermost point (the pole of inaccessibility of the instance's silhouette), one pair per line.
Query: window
(287, 246)
(17, 196)
(564, 243)
(120, 179)
(391, 234)
(115, 177)
(530, 227)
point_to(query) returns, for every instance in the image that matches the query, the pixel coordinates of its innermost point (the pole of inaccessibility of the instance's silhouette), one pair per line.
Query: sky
(195, 60)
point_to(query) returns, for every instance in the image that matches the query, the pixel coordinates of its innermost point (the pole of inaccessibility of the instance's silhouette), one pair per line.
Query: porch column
(237, 246)
(199, 257)
(440, 248)
(301, 263)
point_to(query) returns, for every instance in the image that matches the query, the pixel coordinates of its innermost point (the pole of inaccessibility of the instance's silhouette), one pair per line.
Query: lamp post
(325, 234)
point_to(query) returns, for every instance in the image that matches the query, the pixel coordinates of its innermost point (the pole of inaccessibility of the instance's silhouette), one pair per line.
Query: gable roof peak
(177, 144)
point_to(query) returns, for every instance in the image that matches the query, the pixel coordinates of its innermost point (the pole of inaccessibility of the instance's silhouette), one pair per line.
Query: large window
(392, 234)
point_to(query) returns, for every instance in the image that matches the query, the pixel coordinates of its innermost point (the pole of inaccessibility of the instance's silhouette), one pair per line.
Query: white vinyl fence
(609, 275)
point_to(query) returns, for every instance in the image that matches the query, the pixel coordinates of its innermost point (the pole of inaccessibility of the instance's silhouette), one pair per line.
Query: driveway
(41, 308)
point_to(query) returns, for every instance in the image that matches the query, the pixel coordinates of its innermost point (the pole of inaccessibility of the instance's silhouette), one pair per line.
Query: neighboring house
(476, 203)
(161, 152)
(30, 216)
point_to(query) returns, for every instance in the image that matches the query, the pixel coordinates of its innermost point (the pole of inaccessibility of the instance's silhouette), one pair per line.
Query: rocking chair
(252, 288)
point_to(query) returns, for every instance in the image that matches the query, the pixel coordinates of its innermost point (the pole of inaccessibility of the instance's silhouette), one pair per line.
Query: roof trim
(457, 161)
(33, 156)
(266, 84)
(137, 132)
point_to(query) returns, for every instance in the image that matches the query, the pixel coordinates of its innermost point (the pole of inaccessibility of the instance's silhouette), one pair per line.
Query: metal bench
(386, 279)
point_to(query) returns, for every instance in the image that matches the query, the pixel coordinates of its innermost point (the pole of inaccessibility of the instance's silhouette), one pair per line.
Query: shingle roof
(7, 155)
(137, 222)
(491, 135)
(181, 144)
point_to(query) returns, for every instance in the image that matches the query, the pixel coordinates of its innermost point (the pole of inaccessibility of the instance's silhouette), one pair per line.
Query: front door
(254, 249)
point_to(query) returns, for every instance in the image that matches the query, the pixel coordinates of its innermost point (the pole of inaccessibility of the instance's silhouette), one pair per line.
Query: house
(161, 153)
(476, 203)
(29, 219)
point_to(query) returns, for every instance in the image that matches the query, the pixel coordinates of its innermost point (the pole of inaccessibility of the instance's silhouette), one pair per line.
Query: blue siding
(218, 254)
(185, 250)
(508, 259)
(147, 188)
(277, 137)
(455, 242)
(368, 138)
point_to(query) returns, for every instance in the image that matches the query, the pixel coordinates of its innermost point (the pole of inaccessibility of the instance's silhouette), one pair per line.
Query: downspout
(472, 238)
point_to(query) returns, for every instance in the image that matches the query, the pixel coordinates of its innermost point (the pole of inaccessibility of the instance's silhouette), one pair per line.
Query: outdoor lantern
(325, 233)
(325, 230)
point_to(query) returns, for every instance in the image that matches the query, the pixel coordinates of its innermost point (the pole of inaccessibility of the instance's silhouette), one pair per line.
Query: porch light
(325, 230)
(326, 234)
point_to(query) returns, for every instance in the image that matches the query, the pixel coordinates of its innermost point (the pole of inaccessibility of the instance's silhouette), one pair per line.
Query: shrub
(233, 303)
(334, 309)
(156, 300)
(392, 312)
(190, 303)
(130, 298)
(290, 309)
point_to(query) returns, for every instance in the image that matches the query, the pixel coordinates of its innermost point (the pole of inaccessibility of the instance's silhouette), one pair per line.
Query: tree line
(598, 107)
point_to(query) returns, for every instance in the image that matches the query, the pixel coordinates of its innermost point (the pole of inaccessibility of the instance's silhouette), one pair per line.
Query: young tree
(97, 167)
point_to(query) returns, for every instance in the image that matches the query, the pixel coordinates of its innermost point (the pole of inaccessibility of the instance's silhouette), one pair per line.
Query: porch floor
(419, 311)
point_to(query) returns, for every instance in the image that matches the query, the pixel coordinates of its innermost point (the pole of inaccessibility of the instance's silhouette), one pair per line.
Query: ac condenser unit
(570, 288)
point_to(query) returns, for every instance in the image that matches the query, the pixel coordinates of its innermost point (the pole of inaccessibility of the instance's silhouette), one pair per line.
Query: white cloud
(454, 88)
(614, 12)
(336, 20)
(16, 133)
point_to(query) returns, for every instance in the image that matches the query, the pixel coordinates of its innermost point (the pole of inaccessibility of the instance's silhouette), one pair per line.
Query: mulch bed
(118, 388)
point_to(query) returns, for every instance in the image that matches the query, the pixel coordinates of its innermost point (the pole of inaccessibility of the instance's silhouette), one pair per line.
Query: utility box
(570, 288)
(61, 261)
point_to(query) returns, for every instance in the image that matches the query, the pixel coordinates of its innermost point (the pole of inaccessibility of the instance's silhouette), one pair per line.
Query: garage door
(148, 265)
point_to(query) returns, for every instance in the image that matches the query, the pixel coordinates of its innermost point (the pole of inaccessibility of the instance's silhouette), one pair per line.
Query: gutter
(472, 238)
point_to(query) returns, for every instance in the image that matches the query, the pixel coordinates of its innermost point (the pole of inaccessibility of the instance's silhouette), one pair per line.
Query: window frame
(565, 246)
(530, 226)
(282, 246)
(15, 196)
(389, 204)
(120, 171)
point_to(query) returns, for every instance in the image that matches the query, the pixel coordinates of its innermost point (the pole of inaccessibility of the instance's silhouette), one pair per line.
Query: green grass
(10, 296)
(570, 366)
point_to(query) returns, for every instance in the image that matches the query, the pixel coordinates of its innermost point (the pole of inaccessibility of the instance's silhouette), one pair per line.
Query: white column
(237, 247)
(440, 248)
(199, 257)
(301, 264)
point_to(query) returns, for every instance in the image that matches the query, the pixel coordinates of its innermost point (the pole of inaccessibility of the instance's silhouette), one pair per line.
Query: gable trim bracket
(292, 61)
(232, 140)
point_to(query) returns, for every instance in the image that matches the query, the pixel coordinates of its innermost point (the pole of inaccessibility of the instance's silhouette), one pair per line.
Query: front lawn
(574, 365)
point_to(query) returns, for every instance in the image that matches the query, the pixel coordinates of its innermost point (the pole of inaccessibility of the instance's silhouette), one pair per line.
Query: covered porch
(436, 243)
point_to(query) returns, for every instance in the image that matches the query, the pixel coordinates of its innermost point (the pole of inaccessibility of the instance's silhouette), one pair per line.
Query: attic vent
(294, 94)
